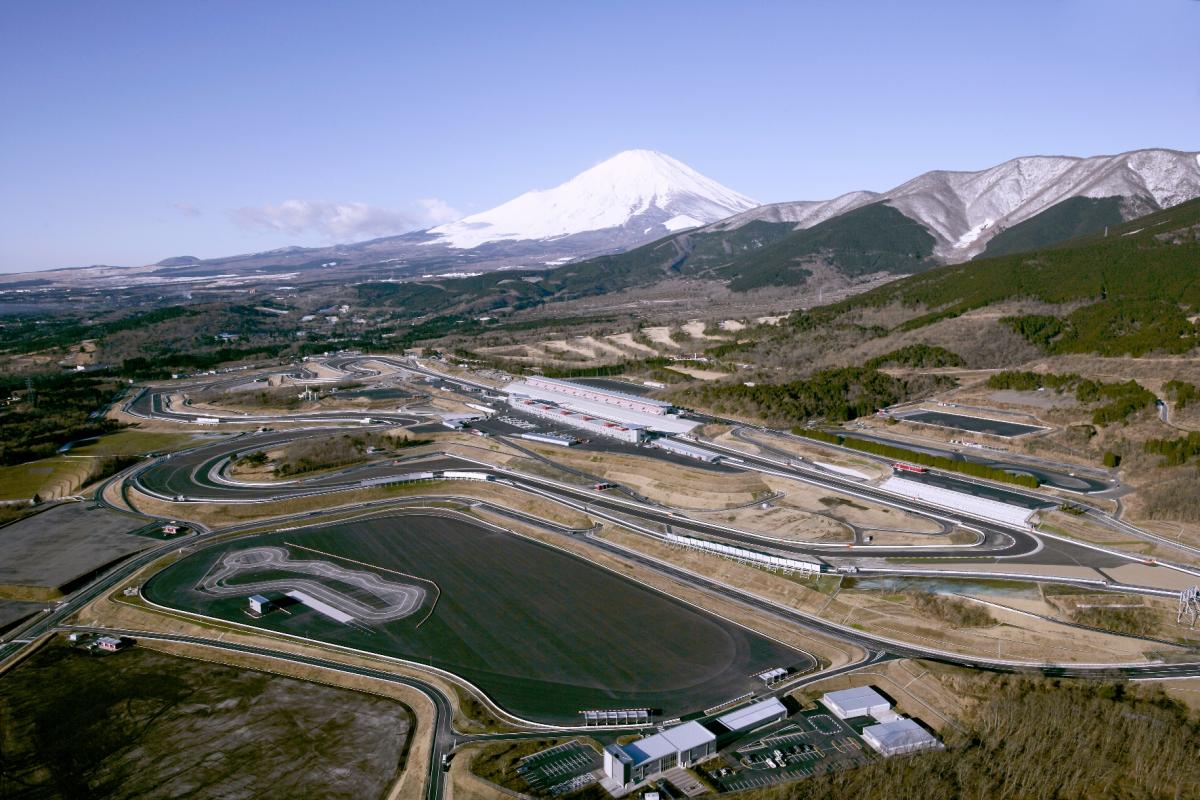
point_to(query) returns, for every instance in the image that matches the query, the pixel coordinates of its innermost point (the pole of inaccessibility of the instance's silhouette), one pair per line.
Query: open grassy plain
(149, 725)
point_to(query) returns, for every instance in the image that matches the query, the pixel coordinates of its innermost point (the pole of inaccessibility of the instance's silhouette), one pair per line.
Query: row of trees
(971, 468)
(1175, 451)
(1181, 393)
(836, 395)
(1120, 400)
(918, 356)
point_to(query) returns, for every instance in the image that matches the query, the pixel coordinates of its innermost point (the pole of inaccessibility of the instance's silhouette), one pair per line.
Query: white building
(680, 746)
(899, 736)
(565, 416)
(632, 402)
(754, 715)
(860, 701)
(551, 438)
(684, 449)
(627, 410)
(259, 605)
(110, 644)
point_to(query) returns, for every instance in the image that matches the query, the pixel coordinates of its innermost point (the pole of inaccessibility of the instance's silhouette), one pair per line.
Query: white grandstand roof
(666, 423)
(685, 449)
(753, 714)
(610, 392)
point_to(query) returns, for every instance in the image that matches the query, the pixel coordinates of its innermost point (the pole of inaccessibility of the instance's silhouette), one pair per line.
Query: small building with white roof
(860, 701)
(900, 736)
(754, 715)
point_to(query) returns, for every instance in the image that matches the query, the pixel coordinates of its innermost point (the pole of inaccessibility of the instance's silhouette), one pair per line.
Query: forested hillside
(1130, 292)
(1038, 740)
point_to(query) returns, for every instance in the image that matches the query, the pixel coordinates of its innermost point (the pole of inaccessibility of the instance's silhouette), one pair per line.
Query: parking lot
(560, 770)
(809, 743)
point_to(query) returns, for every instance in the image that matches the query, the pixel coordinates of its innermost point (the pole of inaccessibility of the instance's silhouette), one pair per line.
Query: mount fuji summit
(634, 196)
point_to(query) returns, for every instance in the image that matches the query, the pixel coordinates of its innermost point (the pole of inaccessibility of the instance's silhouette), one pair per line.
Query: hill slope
(1069, 219)
(1131, 291)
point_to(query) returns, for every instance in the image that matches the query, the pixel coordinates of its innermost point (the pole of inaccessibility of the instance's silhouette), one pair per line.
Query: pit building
(617, 407)
(626, 432)
(622, 400)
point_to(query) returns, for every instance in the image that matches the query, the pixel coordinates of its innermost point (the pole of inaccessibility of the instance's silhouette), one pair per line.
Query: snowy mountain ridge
(635, 189)
(964, 210)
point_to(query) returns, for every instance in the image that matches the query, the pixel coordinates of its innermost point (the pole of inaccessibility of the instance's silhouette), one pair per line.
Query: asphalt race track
(542, 632)
(196, 476)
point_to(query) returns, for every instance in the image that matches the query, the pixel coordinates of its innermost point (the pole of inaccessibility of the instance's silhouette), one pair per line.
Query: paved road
(1057, 479)
(154, 403)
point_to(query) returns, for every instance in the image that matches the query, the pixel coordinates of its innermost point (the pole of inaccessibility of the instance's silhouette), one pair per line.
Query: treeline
(1032, 739)
(24, 335)
(1181, 393)
(971, 468)
(60, 408)
(1121, 400)
(917, 356)
(310, 455)
(605, 370)
(1116, 328)
(836, 395)
(657, 366)
(1175, 451)
(167, 364)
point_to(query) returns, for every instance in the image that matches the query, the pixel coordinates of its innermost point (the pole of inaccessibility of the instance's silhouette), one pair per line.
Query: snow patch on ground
(970, 237)
(681, 222)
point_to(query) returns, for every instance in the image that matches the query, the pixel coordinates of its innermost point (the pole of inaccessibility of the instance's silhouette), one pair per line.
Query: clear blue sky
(136, 131)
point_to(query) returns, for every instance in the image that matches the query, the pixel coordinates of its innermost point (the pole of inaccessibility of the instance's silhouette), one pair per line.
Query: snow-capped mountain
(964, 210)
(636, 194)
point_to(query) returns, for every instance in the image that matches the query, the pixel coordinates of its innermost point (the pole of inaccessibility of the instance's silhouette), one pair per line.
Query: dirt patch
(661, 335)
(700, 374)
(57, 547)
(626, 341)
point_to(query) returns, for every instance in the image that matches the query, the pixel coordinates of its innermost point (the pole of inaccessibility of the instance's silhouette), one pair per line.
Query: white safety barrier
(742, 554)
(960, 501)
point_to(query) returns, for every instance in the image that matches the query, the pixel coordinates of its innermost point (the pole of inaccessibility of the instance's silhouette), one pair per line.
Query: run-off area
(545, 634)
